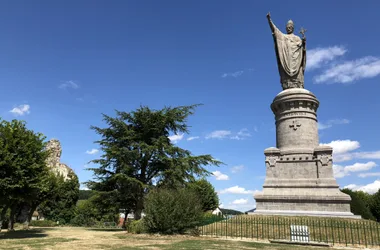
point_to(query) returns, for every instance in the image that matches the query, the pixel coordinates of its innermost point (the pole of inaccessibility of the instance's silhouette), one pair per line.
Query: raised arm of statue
(271, 25)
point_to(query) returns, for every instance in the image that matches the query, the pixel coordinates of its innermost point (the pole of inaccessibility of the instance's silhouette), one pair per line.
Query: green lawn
(72, 238)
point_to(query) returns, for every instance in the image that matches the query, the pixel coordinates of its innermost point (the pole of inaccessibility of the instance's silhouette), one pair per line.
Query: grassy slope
(65, 238)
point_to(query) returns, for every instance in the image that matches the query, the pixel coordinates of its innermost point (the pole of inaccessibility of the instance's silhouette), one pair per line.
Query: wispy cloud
(237, 190)
(192, 138)
(220, 177)
(340, 171)
(222, 134)
(218, 134)
(240, 201)
(69, 84)
(357, 155)
(92, 151)
(233, 74)
(320, 56)
(365, 175)
(370, 188)
(242, 134)
(176, 138)
(20, 110)
(332, 122)
(236, 169)
(350, 71)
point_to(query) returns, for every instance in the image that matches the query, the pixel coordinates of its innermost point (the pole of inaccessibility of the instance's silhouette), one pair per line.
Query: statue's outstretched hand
(268, 15)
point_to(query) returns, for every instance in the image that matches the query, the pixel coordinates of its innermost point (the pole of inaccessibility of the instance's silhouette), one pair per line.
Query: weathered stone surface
(290, 53)
(299, 176)
(54, 160)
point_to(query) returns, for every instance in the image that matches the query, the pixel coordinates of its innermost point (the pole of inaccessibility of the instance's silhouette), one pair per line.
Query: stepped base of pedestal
(306, 213)
(327, 202)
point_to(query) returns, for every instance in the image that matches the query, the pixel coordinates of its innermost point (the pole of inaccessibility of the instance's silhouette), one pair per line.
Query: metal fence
(333, 231)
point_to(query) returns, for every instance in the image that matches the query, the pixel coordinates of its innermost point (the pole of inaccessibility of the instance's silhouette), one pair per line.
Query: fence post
(345, 233)
(377, 230)
(365, 233)
(257, 227)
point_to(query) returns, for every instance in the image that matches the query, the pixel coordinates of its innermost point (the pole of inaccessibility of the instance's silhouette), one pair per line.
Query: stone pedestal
(299, 176)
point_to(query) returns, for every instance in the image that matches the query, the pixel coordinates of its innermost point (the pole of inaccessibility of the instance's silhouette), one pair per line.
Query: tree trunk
(27, 222)
(138, 210)
(2, 216)
(124, 226)
(12, 218)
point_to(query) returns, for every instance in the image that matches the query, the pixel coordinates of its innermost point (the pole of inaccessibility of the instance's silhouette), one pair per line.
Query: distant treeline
(230, 211)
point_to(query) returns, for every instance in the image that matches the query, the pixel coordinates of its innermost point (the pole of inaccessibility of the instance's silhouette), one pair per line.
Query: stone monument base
(306, 213)
(299, 174)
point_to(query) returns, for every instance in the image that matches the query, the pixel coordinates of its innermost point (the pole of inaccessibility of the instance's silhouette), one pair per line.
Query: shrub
(137, 227)
(206, 193)
(172, 211)
(358, 206)
(42, 223)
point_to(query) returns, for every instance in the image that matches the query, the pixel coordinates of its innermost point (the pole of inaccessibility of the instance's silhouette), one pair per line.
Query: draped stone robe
(291, 59)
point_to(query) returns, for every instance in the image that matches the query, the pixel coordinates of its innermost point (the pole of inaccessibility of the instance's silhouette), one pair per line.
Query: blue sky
(63, 63)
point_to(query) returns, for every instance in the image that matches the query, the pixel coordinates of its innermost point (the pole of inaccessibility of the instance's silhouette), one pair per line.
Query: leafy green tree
(358, 206)
(138, 154)
(62, 207)
(86, 194)
(375, 205)
(171, 211)
(206, 192)
(22, 167)
(95, 209)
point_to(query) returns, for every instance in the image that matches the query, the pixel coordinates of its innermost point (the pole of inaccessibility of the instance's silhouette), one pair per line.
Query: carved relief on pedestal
(272, 155)
(324, 159)
(272, 159)
(295, 125)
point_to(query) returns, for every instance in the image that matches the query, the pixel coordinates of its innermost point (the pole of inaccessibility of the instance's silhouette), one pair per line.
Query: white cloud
(350, 71)
(233, 74)
(220, 177)
(364, 175)
(243, 133)
(319, 56)
(342, 151)
(240, 201)
(236, 169)
(92, 151)
(370, 188)
(192, 138)
(218, 134)
(351, 186)
(330, 123)
(237, 190)
(176, 138)
(342, 146)
(21, 110)
(340, 171)
(357, 155)
(69, 84)
(242, 204)
(358, 167)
